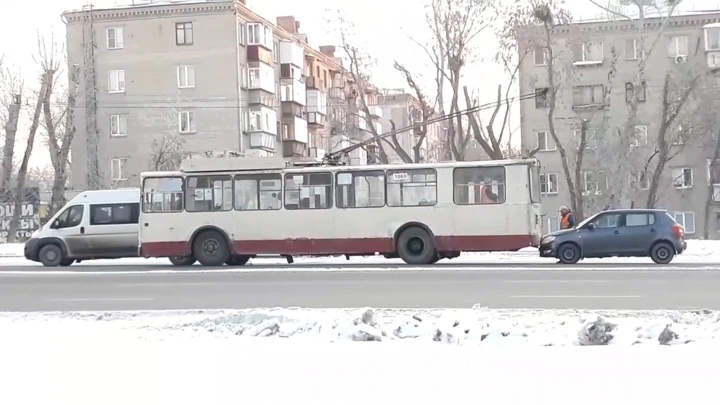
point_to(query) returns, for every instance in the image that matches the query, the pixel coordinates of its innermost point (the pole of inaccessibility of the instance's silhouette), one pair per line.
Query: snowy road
(687, 288)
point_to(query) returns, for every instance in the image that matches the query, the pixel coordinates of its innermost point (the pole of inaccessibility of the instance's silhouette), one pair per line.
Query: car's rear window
(639, 219)
(672, 218)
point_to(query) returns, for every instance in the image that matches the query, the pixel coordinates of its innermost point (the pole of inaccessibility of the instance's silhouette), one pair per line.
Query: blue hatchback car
(618, 233)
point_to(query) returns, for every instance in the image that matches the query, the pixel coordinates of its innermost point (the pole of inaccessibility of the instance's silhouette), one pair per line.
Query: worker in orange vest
(567, 220)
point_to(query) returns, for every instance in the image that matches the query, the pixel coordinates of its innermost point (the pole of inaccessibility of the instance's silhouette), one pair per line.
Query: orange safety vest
(481, 194)
(565, 221)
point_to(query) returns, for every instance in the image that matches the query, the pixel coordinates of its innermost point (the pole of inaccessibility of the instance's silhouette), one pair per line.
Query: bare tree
(58, 106)
(426, 112)
(167, 153)
(12, 87)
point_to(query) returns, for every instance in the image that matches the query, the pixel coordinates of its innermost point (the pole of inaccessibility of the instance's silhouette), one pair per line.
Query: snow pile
(479, 326)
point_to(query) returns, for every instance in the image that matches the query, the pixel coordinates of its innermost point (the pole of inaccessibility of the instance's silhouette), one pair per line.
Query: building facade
(598, 65)
(405, 111)
(162, 79)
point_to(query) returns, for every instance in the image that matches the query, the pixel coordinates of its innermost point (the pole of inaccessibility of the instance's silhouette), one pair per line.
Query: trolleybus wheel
(211, 249)
(182, 260)
(237, 260)
(416, 246)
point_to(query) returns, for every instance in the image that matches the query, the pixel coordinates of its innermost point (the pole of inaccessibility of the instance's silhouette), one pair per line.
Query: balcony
(257, 53)
(293, 91)
(263, 141)
(294, 129)
(314, 83)
(260, 34)
(291, 53)
(294, 149)
(317, 153)
(375, 111)
(292, 110)
(261, 77)
(337, 94)
(317, 102)
(262, 119)
(316, 120)
(261, 97)
(288, 71)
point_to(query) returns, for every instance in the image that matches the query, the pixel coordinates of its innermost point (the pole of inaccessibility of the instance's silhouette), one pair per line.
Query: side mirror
(591, 226)
(55, 224)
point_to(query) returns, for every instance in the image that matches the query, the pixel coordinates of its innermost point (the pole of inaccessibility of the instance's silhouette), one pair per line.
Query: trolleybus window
(308, 191)
(411, 187)
(163, 194)
(209, 193)
(258, 192)
(360, 189)
(479, 185)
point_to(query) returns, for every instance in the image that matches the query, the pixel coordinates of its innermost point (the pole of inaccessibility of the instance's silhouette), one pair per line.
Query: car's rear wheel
(569, 253)
(662, 253)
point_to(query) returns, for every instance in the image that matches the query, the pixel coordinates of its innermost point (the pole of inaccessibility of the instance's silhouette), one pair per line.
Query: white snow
(196, 358)
(699, 251)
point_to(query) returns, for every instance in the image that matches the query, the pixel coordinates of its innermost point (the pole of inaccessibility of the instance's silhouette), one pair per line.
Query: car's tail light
(678, 230)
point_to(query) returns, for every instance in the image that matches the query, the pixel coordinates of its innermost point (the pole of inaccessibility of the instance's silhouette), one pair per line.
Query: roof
(626, 210)
(147, 4)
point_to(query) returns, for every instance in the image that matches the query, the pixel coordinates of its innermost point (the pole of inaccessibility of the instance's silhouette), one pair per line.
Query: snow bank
(699, 251)
(479, 326)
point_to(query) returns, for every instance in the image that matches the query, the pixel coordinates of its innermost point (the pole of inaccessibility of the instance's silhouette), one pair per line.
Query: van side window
(114, 214)
(70, 218)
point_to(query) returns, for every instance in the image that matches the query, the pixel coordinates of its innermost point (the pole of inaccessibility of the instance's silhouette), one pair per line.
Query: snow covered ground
(423, 357)
(699, 251)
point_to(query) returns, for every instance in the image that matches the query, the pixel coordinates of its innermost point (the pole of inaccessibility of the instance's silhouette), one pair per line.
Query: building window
(242, 34)
(678, 46)
(588, 95)
(186, 77)
(258, 192)
(590, 52)
(630, 89)
(243, 77)
(478, 185)
(552, 224)
(285, 131)
(549, 183)
(115, 38)
(631, 49)
(540, 54)
(640, 136)
(209, 193)
(114, 214)
(308, 191)
(682, 134)
(184, 33)
(541, 97)
(186, 122)
(712, 38)
(118, 125)
(254, 77)
(687, 220)
(591, 184)
(117, 169)
(360, 189)
(591, 138)
(682, 177)
(116, 81)
(411, 188)
(544, 141)
(276, 52)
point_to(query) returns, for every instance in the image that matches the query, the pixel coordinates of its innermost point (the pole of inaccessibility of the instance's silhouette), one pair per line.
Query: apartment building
(404, 110)
(206, 75)
(586, 53)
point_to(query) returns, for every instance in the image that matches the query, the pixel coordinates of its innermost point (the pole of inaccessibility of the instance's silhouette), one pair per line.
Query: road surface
(677, 287)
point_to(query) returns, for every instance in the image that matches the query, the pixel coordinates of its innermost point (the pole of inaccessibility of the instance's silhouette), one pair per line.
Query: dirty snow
(699, 251)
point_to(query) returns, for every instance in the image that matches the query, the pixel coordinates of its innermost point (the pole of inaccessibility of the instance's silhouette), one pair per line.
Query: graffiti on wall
(29, 214)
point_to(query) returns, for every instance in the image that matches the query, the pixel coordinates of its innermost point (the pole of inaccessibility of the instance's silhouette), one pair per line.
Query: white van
(99, 224)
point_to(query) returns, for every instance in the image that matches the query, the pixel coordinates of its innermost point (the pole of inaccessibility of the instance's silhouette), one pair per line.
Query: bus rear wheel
(182, 260)
(416, 246)
(210, 248)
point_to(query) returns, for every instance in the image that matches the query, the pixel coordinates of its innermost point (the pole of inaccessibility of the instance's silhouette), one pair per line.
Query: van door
(113, 230)
(70, 227)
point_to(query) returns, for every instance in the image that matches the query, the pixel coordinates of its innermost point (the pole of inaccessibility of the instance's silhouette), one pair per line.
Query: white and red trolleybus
(228, 210)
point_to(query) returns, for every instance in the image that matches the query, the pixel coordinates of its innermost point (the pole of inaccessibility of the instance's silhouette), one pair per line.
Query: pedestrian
(567, 220)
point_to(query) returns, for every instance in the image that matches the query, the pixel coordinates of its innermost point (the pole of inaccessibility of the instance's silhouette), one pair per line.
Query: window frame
(134, 214)
(119, 76)
(276, 52)
(592, 88)
(541, 98)
(706, 34)
(684, 215)
(146, 201)
(184, 27)
(540, 49)
(535, 190)
(674, 41)
(189, 72)
(121, 121)
(354, 173)
(213, 178)
(630, 90)
(242, 33)
(683, 169)
(643, 129)
(389, 173)
(257, 177)
(118, 44)
(122, 162)
(548, 139)
(62, 223)
(191, 122)
(329, 190)
(547, 181)
(500, 201)
(583, 50)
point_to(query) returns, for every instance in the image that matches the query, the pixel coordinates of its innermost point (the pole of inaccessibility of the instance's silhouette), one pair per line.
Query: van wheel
(569, 254)
(182, 260)
(662, 253)
(240, 260)
(416, 246)
(211, 249)
(51, 255)
(67, 262)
